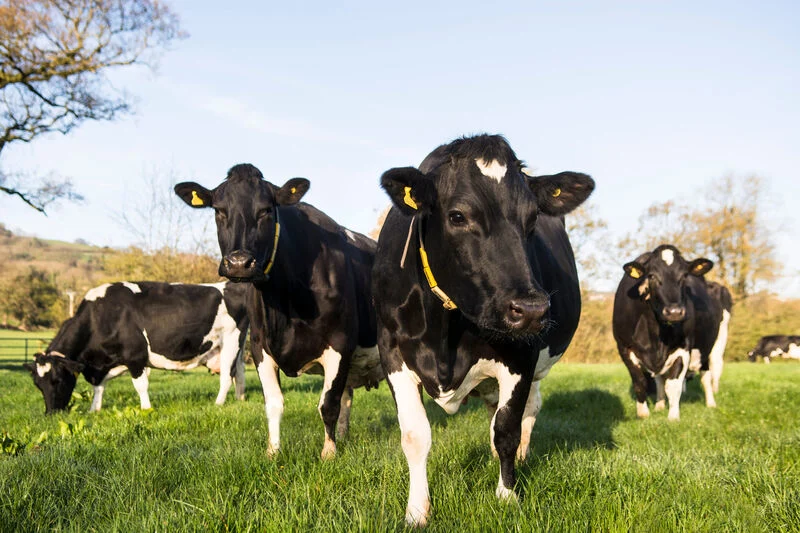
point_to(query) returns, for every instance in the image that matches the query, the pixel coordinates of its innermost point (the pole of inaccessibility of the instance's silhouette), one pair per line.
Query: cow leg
(97, 397)
(532, 407)
(639, 382)
(506, 427)
(716, 362)
(674, 384)
(267, 370)
(415, 438)
(661, 403)
(238, 377)
(344, 412)
(227, 356)
(707, 380)
(141, 384)
(330, 400)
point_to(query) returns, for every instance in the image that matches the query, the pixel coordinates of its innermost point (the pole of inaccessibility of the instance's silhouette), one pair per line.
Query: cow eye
(264, 213)
(457, 218)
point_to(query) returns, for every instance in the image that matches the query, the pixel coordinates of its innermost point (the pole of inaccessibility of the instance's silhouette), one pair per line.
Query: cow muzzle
(239, 265)
(673, 313)
(526, 316)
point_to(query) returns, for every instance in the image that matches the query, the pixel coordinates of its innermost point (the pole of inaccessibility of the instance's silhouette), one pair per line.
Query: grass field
(191, 466)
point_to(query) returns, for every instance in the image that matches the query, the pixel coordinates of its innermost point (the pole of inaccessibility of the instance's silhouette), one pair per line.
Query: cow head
(662, 276)
(479, 210)
(55, 376)
(245, 206)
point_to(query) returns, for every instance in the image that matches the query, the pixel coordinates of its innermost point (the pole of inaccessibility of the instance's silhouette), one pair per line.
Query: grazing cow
(308, 301)
(474, 279)
(785, 346)
(665, 317)
(133, 326)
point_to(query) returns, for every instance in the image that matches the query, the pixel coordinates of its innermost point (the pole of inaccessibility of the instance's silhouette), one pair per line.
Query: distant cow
(474, 280)
(131, 326)
(784, 346)
(309, 301)
(665, 317)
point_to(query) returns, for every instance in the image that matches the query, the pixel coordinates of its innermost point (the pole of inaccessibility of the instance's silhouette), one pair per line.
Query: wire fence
(21, 349)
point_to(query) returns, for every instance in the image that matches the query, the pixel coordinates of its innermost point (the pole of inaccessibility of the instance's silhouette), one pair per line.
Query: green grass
(191, 466)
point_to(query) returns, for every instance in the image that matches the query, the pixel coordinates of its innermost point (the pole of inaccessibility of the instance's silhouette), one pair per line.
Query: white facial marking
(491, 169)
(668, 256)
(97, 292)
(43, 369)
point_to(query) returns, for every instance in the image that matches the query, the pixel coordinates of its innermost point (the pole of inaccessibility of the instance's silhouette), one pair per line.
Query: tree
(54, 59)
(727, 225)
(34, 299)
(589, 237)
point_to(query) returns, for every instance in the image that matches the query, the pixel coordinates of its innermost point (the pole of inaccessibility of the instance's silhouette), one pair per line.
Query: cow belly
(365, 368)
(159, 361)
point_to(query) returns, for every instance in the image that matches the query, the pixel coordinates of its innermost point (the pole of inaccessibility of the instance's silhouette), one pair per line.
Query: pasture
(190, 465)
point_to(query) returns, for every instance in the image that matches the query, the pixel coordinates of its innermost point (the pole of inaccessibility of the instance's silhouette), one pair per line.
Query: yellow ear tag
(556, 193)
(408, 200)
(294, 190)
(196, 200)
(635, 273)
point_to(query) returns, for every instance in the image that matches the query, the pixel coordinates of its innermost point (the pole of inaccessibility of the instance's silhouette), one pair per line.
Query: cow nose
(522, 315)
(674, 313)
(238, 264)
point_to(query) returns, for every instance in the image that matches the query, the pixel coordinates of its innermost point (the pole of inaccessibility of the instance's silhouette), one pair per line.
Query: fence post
(26, 349)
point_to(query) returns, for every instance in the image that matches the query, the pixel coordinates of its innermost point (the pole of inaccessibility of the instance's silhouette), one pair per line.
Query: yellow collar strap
(275, 244)
(447, 303)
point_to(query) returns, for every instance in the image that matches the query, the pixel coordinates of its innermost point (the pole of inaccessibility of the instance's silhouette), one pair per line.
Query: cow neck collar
(447, 303)
(275, 243)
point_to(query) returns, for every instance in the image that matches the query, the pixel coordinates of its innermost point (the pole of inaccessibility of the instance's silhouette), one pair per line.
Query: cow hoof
(642, 411)
(272, 451)
(416, 517)
(522, 454)
(660, 406)
(711, 404)
(506, 495)
(674, 417)
(328, 450)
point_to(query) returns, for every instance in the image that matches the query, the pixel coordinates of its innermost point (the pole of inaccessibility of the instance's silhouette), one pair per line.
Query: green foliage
(34, 299)
(161, 265)
(189, 465)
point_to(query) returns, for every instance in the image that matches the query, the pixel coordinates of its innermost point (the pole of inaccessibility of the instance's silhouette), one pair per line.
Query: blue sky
(653, 99)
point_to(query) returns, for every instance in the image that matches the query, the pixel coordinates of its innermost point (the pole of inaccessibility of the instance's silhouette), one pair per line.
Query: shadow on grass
(579, 419)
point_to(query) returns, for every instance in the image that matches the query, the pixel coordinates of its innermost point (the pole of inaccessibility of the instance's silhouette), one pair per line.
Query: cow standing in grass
(666, 319)
(132, 326)
(308, 297)
(770, 346)
(474, 280)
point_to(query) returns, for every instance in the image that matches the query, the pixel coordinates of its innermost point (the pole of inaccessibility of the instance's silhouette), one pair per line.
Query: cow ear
(698, 267)
(292, 191)
(30, 367)
(560, 193)
(410, 190)
(634, 269)
(194, 194)
(73, 366)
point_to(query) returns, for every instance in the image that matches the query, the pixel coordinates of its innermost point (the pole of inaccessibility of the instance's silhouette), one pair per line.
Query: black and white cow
(132, 326)
(474, 280)
(667, 319)
(309, 301)
(784, 346)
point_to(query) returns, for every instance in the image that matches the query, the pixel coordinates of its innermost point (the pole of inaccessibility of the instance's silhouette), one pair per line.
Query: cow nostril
(515, 311)
(521, 314)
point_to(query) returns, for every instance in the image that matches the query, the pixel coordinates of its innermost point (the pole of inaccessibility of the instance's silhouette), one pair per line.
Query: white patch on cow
(766, 359)
(715, 358)
(134, 288)
(695, 360)
(777, 352)
(545, 363)
(634, 360)
(528, 172)
(97, 292)
(141, 384)
(330, 361)
(97, 396)
(491, 169)
(450, 400)
(416, 441)
(668, 256)
(674, 387)
(43, 369)
(350, 234)
(794, 351)
(644, 289)
(661, 403)
(503, 493)
(641, 410)
(273, 400)
(532, 407)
